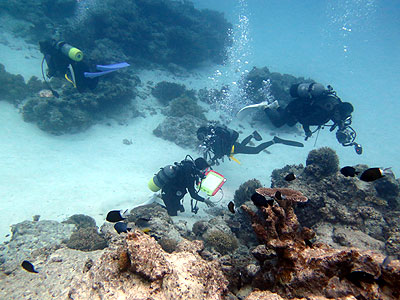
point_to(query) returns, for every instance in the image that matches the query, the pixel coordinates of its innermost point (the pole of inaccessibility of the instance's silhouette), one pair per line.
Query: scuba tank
(307, 90)
(162, 177)
(70, 51)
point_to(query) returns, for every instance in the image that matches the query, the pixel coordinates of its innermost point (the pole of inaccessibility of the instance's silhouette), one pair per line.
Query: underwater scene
(230, 149)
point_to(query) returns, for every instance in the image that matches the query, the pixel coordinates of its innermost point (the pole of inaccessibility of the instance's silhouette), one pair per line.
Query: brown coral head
(286, 193)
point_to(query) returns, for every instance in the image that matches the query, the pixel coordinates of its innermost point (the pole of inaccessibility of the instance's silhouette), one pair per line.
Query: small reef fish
(349, 171)
(373, 174)
(290, 177)
(261, 201)
(146, 230)
(121, 227)
(115, 216)
(231, 207)
(279, 196)
(26, 265)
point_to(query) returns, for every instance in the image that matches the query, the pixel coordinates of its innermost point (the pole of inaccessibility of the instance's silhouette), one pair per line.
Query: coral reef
(322, 162)
(245, 190)
(81, 221)
(74, 112)
(151, 273)
(212, 95)
(184, 106)
(179, 130)
(166, 91)
(303, 269)
(56, 116)
(342, 209)
(41, 16)
(221, 241)
(168, 245)
(200, 227)
(13, 87)
(167, 33)
(155, 219)
(29, 239)
(86, 239)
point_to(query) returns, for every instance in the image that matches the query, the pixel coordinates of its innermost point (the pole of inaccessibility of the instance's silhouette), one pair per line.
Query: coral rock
(150, 273)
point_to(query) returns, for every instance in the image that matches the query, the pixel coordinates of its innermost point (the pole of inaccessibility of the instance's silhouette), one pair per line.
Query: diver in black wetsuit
(219, 141)
(313, 105)
(175, 181)
(64, 60)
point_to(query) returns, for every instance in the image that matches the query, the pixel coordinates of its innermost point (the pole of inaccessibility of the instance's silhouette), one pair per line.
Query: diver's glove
(208, 202)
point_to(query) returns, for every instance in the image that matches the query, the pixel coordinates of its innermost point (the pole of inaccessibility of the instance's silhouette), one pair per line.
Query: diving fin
(287, 142)
(112, 66)
(105, 69)
(245, 111)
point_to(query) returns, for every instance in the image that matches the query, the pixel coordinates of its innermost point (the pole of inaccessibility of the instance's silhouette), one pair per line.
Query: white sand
(94, 172)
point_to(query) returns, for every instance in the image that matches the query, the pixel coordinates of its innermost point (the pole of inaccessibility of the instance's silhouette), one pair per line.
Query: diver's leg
(277, 140)
(239, 148)
(172, 201)
(277, 116)
(246, 140)
(254, 135)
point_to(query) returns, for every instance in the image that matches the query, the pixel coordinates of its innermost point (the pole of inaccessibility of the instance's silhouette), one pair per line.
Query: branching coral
(302, 269)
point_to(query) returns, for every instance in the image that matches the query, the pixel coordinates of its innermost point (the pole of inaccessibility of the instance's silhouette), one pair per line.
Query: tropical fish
(349, 171)
(146, 230)
(115, 216)
(261, 201)
(121, 227)
(26, 265)
(279, 196)
(231, 207)
(290, 177)
(373, 174)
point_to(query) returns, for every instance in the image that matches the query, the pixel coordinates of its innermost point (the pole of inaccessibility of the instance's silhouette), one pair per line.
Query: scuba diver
(174, 182)
(313, 105)
(64, 60)
(219, 140)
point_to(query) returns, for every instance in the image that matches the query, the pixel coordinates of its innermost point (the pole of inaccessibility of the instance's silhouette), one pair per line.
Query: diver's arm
(194, 194)
(307, 131)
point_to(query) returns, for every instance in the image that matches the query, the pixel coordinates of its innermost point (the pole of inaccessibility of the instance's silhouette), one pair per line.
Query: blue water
(352, 45)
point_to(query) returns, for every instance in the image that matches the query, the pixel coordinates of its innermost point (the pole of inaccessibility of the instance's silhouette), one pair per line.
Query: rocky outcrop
(370, 208)
(31, 239)
(179, 130)
(140, 269)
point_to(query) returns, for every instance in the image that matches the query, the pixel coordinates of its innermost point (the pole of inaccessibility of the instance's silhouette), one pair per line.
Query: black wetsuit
(172, 193)
(58, 65)
(224, 140)
(308, 112)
